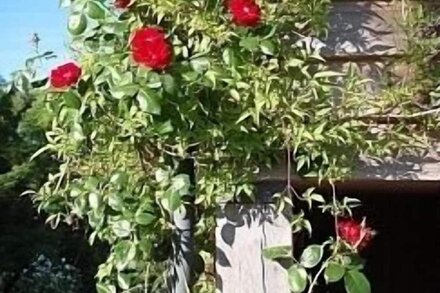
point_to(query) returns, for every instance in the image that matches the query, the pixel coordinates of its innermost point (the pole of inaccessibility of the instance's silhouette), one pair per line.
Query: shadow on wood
(242, 233)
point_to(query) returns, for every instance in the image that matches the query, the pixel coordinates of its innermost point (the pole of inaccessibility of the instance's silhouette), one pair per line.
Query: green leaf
(91, 183)
(250, 43)
(71, 100)
(356, 282)
(121, 228)
(181, 183)
(234, 94)
(95, 217)
(311, 256)
(94, 200)
(154, 80)
(124, 252)
(77, 24)
(190, 76)
(353, 262)
(105, 288)
(294, 62)
(297, 276)
(327, 74)
(124, 281)
(200, 65)
(115, 201)
(317, 197)
(168, 83)
(124, 91)
(119, 178)
(267, 47)
(149, 101)
(334, 272)
(77, 132)
(229, 57)
(145, 219)
(278, 252)
(95, 10)
(164, 128)
(174, 200)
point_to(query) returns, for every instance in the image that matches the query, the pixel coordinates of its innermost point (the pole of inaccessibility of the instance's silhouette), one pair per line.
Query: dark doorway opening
(404, 257)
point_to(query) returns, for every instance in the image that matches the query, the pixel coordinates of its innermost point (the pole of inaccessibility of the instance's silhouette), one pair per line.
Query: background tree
(23, 120)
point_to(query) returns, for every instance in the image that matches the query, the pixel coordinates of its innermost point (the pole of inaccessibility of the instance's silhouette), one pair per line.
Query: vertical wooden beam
(243, 231)
(181, 274)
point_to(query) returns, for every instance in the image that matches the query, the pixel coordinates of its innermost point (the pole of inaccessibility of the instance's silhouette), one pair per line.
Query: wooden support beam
(424, 166)
(243, 231)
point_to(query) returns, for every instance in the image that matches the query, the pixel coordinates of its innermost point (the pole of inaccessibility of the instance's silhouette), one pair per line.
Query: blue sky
(19, 19)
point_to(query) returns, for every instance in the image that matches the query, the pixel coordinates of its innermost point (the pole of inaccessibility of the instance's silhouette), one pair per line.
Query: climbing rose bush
(227, 85)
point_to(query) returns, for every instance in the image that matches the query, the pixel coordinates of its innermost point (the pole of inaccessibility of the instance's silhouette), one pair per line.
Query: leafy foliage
(231, 101)
(23, 120)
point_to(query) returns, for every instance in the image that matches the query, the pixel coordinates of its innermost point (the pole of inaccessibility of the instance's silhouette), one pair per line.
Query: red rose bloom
(65, 75)
(245, 12)
(150, 48)
(122, 4)
(351, 232)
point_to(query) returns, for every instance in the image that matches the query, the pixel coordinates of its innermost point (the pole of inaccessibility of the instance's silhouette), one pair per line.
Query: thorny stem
(287, 143)
(335, 212)
(289, 187)
(335, 249)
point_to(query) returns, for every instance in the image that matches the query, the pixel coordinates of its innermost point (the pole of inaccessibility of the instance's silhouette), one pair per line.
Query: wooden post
(242, 233)
(181, 274)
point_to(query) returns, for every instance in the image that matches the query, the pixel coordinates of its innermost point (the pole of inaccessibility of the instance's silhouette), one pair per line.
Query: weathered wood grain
(359, 28)
(424, 166)
(242, 232)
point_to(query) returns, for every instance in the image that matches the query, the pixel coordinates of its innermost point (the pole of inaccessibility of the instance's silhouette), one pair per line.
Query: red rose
(65, 75)
(150, 48)
(245, 12)
(354, 233)
(122, 4)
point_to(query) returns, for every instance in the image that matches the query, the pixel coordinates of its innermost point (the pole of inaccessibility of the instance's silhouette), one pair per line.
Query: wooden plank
(242, 232)
(365, 28)
(424, 166)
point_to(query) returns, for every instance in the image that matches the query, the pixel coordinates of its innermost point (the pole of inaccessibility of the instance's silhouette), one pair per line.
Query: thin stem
(335, 217)
(147, 275)
(318, 274)
(393, 118)
(289, 163)
(335, 207)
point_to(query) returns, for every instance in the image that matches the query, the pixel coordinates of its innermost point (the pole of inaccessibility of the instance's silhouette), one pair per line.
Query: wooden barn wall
(368, 34)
